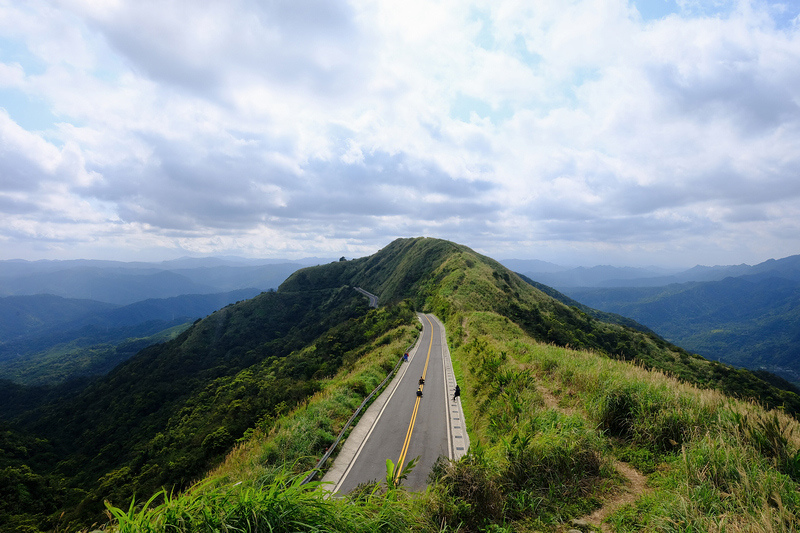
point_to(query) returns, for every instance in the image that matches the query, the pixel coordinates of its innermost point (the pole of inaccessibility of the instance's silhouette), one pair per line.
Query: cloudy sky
(575, 131)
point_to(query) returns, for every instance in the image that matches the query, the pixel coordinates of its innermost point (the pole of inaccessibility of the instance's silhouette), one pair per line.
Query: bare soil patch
(637, 485)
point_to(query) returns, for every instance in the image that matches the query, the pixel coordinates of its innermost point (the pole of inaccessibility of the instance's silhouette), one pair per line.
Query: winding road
(373, 300)
(401, 425)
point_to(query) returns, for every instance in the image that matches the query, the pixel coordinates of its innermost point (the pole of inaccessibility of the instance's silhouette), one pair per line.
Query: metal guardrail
(332, 447)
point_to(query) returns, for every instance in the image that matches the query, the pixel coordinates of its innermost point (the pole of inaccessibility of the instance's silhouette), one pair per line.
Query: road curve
(401, 426)
(373, 300)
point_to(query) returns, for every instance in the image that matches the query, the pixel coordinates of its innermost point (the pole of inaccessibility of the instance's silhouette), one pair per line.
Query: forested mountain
(48, 339)
(163, 417)
(544, 384)
(751, 321)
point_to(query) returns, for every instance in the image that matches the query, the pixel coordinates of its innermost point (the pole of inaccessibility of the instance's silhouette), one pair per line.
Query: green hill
(749, 321)
(54, 340)
(559, 405)
(172, 411)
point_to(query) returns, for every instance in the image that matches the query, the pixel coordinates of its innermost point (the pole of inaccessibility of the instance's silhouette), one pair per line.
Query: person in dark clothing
(456, 393)
(421, 380)
(419, 392)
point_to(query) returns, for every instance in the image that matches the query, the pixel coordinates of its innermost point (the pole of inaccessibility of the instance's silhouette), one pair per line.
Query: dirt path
(637, 485)
(636, 481)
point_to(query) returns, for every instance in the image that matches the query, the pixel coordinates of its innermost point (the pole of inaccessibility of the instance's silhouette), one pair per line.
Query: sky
(582, 132)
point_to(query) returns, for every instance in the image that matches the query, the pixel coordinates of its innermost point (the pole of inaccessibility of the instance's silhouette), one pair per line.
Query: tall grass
(717, 483)
(282, 505)
(714, 463)
(529, 467)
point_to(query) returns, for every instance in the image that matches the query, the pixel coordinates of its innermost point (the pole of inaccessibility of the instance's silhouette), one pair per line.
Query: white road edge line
(445, 376)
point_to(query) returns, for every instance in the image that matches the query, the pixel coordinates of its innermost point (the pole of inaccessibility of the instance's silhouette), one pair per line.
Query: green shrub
(467, 493)
(617, 412)
(281, 505)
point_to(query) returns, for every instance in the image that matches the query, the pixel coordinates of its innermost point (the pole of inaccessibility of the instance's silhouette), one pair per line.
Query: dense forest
(748, 321)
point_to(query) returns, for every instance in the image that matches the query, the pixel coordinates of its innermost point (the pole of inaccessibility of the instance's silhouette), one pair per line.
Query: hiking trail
(635, 487)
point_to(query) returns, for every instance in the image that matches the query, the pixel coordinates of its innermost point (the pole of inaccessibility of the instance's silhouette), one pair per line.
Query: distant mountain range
(741, 314)
(561, 277)
(46, 339)
(63, 319)
(125, 283)
(744, 315)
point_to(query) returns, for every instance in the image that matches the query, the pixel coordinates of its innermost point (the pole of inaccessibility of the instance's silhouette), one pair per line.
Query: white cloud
(316, 123)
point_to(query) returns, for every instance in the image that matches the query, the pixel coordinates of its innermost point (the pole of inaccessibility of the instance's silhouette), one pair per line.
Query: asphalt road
(373, 300)
(402, 426)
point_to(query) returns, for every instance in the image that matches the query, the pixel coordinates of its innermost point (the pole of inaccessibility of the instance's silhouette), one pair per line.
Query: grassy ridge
(613, 405)
(467, 281)
(555, 400)
(399, 271)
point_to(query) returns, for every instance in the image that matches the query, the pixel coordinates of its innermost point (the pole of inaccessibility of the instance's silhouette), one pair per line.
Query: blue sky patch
(27, 112)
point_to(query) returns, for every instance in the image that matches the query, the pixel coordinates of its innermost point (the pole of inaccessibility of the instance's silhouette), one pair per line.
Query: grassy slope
(548, 424)
(699, 446)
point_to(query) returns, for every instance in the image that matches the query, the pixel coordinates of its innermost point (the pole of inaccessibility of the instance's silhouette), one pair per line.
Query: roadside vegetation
(220, 424)
(548, 425)
(713, 463)
(560, 407)
(167, 416)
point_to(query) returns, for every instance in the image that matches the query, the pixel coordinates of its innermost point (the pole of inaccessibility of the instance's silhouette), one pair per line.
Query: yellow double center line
(407, 442)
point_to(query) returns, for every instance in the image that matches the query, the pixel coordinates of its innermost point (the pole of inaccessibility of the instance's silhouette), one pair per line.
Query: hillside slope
(750, 321)
(552, 427)
(172, 411)
(552, 395)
